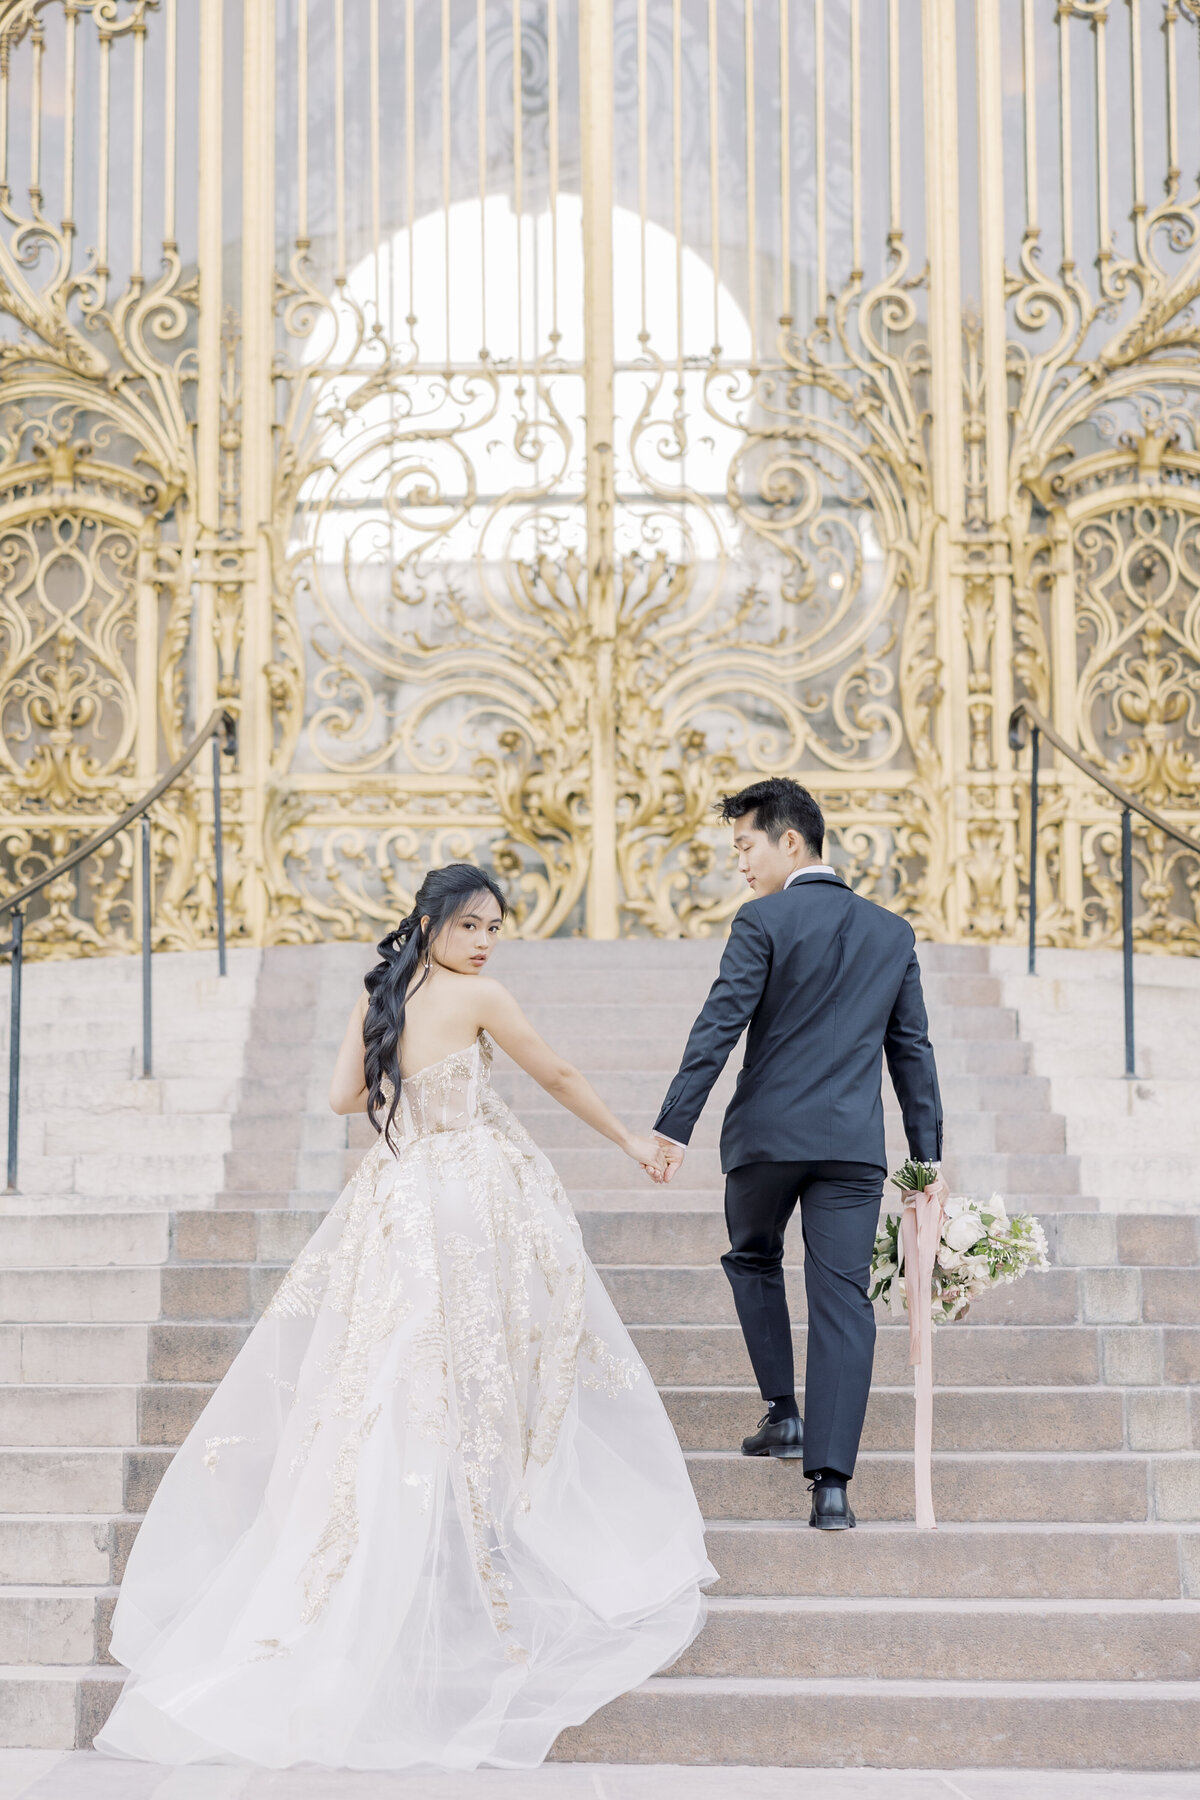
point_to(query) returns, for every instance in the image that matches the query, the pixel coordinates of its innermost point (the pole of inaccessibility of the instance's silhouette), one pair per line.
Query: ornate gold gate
(533, 416)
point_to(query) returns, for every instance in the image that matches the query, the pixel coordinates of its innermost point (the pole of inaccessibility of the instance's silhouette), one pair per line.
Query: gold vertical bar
(339, 136)
(410, 156)
(1029, 80)
(751, 186)
(1066, 165)
(1170, 19)
(785, 165)
(256, 732)
(481, 134)
(102, 164)
(552, 129)
(714, 170)
(989, 87)
(1135, 109)
(940, 94)
(642, 157)
(376, 210)
(171, 50)
(71, 23)
(302, 126)
(137, 196)
(894, 227)
(446, 165)
(856, 140)
(5, 53)
(38, 51)
(819, 133)
(677, 184)
(596, 133)
(1103, 225)
(209, 253)
(519, 183)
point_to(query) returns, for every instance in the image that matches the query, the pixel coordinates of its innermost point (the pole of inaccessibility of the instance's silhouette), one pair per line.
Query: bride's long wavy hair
(405, 951)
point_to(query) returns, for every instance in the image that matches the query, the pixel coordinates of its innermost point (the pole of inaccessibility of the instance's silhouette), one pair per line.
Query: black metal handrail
(219, 721)
(1041, 728)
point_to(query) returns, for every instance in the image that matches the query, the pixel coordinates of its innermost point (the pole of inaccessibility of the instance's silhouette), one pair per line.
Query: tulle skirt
(434, 1513)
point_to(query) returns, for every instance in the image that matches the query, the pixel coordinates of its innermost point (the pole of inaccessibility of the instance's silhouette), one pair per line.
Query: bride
(435, 1512)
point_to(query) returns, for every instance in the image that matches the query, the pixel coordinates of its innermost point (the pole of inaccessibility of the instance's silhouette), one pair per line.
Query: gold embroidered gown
(435, 1512)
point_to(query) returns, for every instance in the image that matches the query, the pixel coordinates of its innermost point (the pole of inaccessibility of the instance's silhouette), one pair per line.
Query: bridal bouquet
(980, 1247)
(930, 1261)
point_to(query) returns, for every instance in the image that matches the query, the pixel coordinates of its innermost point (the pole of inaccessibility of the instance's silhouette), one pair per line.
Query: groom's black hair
(778, 805)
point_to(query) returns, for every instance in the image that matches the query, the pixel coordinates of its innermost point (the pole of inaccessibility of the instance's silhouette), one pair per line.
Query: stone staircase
(95, 1136)
(1138, 1142)
(1052, 1620)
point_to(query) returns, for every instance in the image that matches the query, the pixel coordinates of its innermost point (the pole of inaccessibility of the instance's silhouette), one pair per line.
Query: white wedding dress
(435, 1512)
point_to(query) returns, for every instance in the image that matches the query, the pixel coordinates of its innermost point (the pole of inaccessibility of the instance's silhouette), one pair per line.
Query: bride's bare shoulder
(492, 999)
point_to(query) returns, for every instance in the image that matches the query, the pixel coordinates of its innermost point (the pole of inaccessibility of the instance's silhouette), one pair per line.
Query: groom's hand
(673, 1157)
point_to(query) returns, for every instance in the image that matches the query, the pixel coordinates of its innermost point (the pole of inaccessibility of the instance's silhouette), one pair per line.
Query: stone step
(997, 1486)
(55, 1708)
(785, 1723)
(74, 1353)
(1140, 1356)
(977, 1419)
(31, 1415)
(41, 1481)
(627, 1093)
(655, 1235)
(960, 1561)
(645, 1293)
(665, 987)
(1121, 1356)
(144, 1134)
(73, 1240)
(55, 1624)
(76, 1296)
(60, 1549)
(131, 1296)
(701, 1296)
(1116, 1174)
(1090, 1419)
(618, 1019)
(982, 1174)
(932, 1640)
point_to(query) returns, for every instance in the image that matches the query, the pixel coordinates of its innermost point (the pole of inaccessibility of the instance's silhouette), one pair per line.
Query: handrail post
(147, 949)
(1127, 933)
(218, 854)
(14, 1046)
(1033, 859)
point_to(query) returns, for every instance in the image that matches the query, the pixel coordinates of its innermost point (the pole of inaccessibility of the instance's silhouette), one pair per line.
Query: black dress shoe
(830, 1509)
(784, 1438)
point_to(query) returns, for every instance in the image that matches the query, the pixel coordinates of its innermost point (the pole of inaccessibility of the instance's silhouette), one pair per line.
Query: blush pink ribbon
(921, 1230)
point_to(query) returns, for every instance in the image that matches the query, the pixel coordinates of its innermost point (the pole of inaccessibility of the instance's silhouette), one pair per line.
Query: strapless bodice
(447, 1095)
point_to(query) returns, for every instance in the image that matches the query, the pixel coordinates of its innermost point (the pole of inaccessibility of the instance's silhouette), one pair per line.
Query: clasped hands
(658, 1157)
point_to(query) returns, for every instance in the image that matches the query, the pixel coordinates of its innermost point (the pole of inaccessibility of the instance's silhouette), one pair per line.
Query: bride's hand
(649, 1151)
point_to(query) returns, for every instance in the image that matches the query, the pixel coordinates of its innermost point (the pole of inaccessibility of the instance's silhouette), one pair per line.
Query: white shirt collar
(810, 869)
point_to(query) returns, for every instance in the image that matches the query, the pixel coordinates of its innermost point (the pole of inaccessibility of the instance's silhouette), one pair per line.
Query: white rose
(976, 1271)
(964, 1231)
(950, 1259)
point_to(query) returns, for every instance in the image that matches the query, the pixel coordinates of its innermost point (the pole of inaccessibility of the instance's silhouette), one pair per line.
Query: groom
(827, 982)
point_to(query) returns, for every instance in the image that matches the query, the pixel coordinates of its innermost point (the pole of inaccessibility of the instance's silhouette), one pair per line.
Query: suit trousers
(839, 1215)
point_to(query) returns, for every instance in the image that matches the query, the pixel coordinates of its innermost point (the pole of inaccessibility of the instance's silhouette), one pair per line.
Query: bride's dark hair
(441, 897)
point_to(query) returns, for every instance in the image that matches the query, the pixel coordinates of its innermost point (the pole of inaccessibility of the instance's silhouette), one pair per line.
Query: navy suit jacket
(829, 984)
